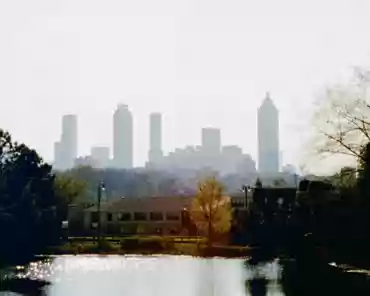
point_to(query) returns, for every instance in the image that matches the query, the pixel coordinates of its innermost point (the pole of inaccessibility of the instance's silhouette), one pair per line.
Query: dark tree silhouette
(364, 175)
(258, 183)
(28, 205)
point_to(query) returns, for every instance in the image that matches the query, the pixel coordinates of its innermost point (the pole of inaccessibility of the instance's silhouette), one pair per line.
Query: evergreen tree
(364, 176)
(28, 204)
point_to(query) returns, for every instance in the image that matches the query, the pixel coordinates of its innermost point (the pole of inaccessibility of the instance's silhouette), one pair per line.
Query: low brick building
(150, 215)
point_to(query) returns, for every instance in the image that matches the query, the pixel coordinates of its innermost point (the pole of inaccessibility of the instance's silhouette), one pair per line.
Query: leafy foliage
(211, 209)
(127, 183)
(28, 204)
(69, 190)
(72, 190)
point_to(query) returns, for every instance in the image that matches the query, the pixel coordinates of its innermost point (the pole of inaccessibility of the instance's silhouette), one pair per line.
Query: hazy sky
(199, 62)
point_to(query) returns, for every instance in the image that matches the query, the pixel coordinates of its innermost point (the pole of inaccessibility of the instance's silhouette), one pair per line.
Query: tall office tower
(100, 155)
(122, 138)
(68, 141)
(155, 149)
(268, 137)
(211, 140)
(211, 148)
(58, 161)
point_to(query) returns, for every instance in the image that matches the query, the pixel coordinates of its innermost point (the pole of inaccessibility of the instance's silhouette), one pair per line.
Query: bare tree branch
(343, 117)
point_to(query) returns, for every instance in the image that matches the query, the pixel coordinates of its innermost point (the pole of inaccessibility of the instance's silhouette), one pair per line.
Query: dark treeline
(124, 183)
(147, 182)
(330, 221)
(30, 207)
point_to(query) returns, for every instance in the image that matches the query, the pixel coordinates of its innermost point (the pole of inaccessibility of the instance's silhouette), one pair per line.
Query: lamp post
(245, 189)
(101, 187)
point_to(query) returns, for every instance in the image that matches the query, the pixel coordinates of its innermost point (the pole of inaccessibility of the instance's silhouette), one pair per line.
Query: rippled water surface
(150, 275)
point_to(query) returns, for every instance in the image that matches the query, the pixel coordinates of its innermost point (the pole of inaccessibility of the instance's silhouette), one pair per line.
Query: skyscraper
(100, 155)
(268, 137)
(58, 161)
(67, 147)
(155, 149)
(211, 140)
(122, 138)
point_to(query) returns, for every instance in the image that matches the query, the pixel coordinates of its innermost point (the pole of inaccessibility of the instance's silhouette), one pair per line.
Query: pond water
(151, 275)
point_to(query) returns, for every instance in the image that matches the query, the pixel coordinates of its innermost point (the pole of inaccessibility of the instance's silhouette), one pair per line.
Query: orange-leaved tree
(211, 209)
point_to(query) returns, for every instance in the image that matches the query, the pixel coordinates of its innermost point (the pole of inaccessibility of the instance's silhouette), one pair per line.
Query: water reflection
(154, 275)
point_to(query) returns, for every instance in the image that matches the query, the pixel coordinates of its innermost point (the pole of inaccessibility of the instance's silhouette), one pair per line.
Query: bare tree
(343, 117)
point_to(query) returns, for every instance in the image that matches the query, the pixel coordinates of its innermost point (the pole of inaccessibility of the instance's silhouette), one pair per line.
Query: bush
(223, 251)
(106, 246)
(152, 244)
(130, 243)
(168, 244)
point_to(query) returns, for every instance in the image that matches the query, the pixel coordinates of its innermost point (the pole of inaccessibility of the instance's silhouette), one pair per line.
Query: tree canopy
(127, 183)
(211, 210)
(28, 204)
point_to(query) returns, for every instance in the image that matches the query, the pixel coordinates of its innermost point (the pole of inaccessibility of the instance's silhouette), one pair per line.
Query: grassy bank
(151, 245)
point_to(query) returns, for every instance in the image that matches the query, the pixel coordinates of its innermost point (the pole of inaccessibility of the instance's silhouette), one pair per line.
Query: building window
(109, 217)
(124, 216)
(156, 216)
(139, 216)
(94, 217)
(172, 216)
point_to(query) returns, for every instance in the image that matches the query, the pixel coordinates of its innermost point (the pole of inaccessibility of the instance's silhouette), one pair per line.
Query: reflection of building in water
(207, 279)
(257, 286)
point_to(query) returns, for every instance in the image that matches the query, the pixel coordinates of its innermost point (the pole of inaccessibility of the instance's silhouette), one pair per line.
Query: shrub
(105, 246)
(152, 244)
(223, 251)
(168, 244)
(130, 243)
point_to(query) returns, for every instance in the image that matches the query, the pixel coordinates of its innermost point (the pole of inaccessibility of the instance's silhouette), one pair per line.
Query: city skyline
(212, 153)
(203, 136)
(110, 144)
(200, 63)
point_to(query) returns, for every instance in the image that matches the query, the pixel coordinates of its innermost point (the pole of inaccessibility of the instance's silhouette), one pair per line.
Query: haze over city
(199, 63)
(185, 147)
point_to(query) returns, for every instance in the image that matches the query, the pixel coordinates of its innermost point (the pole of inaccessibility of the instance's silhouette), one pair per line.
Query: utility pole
(245, 190)
(100, 189)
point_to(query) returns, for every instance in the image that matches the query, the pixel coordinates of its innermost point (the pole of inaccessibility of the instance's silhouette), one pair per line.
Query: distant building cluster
(209, 155)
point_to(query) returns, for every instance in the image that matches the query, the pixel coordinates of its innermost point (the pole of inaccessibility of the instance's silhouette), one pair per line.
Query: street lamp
(101, 188)
(246, 189)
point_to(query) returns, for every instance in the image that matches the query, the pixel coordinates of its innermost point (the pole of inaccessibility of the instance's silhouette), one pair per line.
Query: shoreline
(192, 250)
